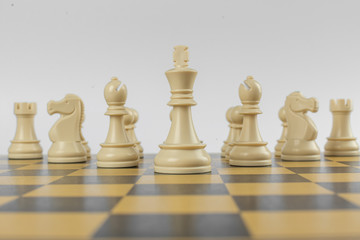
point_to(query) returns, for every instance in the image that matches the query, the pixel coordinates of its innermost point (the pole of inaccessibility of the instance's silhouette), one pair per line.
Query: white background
(51, 48)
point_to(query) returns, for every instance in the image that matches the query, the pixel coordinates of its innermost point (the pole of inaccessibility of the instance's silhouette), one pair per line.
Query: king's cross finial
(181, 56)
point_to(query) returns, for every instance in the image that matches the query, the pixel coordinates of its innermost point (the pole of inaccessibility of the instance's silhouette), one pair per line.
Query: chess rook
(130, 120)
(282, 140)
(231, 133)
(341, 141)
(250, 149)
(67, 145)
(182, 152)
(300, 141)
(25, 144)
(117, 150)
(236, 127)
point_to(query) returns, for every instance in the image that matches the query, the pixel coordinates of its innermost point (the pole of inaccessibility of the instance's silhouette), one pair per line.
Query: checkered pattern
(290, 200)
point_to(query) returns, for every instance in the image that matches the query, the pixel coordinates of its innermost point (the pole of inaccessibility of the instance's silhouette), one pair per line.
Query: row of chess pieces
(182, 152)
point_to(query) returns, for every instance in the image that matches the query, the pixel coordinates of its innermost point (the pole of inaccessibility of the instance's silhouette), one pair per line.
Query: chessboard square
(292, 202)
(303, 224)
(176, 226)
(6, 199)
(350, 163)
(11, 167)
(251, 189)
(179, 189)
(248, 178)
(332, 177)
(253, 170)
(49, 225)
(97, 180)
(81, 190)
(290, 164)
(61, 204)
(21, 162)
(346, 159)
(344, 169)
(27, 180)
(42, 172)
(180, 179)
(175, 205)
(108, 172)
(16, 190)
(342, 187)
(53, 166)
(351, 197)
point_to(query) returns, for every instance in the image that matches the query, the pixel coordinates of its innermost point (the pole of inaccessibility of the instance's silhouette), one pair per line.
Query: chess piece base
(250, 154)
(342, 147)
(25, 150)
(182, 161)
(300, 157)
(66, 152)
(300, 150)
(87, 148)
(118, 156)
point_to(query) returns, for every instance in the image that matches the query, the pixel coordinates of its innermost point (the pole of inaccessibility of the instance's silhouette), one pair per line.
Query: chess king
(182, 152)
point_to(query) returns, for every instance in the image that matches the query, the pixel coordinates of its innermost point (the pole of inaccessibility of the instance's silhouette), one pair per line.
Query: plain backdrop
(51, 48)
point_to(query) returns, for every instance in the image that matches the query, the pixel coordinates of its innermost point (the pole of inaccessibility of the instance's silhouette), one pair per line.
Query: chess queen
(182, 152)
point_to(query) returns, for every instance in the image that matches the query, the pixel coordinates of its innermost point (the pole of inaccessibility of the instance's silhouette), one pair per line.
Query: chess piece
(25, 144)
(117, 151)
(182, 152)
(250, 150)
(341, 141)
(65, 134)
(130, 120)
(236, 126)
(282, 140)
(83, 141)
(231, 133)
(300, 141)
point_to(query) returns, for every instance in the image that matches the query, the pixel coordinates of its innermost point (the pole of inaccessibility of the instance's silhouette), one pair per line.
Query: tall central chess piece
(118, 150)
(300, 141)
(182, 152)
(250, 149)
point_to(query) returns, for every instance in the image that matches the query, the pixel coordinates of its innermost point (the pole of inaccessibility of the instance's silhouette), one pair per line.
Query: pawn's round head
(228, 114)
(128, 118)
(236, 115)
(282, 115)
(250, 92)
(115, 93)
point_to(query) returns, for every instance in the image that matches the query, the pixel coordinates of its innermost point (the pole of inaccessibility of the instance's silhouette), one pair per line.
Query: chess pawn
(182, 152)
(129, 120)
(25, 144)
(250, 150)
(83, 141)
(65, 133)
(236, 126)
(117, 151)
(282, 140)
(300, 140)
(341, 141)
(231, 133)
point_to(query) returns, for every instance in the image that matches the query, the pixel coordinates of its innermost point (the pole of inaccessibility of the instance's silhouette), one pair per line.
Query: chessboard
(290, 200)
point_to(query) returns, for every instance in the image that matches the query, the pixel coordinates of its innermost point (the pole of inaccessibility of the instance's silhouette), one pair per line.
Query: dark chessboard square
(293, 202)
(179, 189)
(351, 163)
(324, 170)
(342, 187)
(42, 172)
(62, 204)
(10, 167)
(12, 190)
(97, 180)
(157, 226)
(252, 178)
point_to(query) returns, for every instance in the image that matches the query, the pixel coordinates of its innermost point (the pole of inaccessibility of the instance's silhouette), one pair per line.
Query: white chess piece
(83, 141)
(341, 141)
(282, 140)
(182, 152)
(117, 151)
(250, 150)
(65, 133)
(236, 126)
(25, 144)
(300, 141)
(230, 135)
(130, 120)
